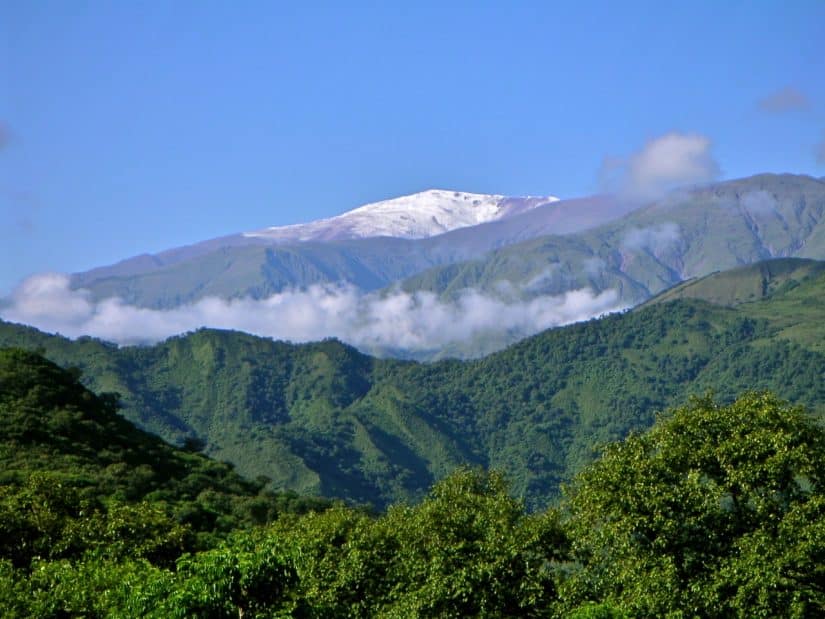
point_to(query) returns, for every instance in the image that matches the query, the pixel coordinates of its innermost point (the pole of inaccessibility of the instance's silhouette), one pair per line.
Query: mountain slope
(238, 265)
(688, 234)
(53, 428)
(744, 284)
(631, 257)
(326, 419)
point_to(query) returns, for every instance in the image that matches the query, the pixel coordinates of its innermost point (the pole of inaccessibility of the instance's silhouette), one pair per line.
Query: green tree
(717, 511)
(247, 576)
(470, 549)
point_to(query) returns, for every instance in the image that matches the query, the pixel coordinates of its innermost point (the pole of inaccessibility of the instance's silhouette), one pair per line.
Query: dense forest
(326, 420)
(717, 510)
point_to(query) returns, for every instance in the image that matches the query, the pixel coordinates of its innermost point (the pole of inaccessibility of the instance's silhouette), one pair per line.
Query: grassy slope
(324, 418)
(743, 284)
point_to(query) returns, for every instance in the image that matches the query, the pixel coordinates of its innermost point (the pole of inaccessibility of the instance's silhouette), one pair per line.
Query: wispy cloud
(788, 99)
(651, 238)
(664, 163)
(5, 135)
(396, 320)
(759, 202)
(820, 151)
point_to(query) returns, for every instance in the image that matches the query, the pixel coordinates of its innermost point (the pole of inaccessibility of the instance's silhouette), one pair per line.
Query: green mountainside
(53, 431)
(743, 284)
(717, 510)
(325, 419)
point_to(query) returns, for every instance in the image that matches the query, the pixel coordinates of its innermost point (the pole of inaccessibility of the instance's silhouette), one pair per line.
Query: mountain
(416, 216)
(605, 243)
(685, 235)
(257, 266)
(594, 248)
(326, 419)
(731, 497)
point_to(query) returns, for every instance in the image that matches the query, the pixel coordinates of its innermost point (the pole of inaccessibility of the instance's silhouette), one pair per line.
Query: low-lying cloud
(397, 320)
(664, 163)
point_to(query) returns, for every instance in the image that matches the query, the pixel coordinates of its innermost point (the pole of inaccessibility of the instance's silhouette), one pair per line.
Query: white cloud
(414, 322)
(664, 163)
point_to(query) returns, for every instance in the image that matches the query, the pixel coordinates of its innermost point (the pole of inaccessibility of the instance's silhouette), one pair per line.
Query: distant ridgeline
(594, 242)
(324, 419)
(715, 511)
(539, 249)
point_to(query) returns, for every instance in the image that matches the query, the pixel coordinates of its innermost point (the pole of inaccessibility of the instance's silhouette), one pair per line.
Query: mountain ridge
(326, 419)
(635, 242)
(601, 247)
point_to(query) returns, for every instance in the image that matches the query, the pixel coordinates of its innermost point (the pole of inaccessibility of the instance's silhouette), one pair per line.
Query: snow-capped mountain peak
(418, 215)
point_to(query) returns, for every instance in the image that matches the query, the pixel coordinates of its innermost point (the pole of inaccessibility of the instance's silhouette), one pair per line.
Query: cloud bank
(789, 99)
(664, 163)
(398, 320)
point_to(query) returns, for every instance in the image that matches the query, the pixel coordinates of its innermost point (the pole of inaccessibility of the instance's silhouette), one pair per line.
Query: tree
(247, 576)
(470, 550)
(716, 511)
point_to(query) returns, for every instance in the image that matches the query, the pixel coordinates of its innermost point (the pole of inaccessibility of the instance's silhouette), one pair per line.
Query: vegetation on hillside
(325, 419)
(717, 511)
(66, 456)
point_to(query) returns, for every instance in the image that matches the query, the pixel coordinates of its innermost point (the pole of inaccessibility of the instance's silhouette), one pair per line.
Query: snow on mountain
(416, 216)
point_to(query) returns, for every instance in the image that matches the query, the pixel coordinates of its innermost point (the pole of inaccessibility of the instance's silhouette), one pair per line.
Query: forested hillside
(57, 435)
(325, 419)
(716, 511)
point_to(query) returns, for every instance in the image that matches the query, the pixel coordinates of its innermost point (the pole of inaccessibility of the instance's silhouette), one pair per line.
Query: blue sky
(131, 127)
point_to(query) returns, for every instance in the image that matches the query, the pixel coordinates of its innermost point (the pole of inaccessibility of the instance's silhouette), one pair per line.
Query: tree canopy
(716, 511)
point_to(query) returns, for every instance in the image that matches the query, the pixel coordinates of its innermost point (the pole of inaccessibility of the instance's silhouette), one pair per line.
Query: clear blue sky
(128, 127)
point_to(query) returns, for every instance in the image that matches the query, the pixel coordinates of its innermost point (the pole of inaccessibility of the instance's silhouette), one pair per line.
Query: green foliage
(324, 419)
(65, 451)
(469, 549)
(47, 518)
(716, 512)
(245, 577)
